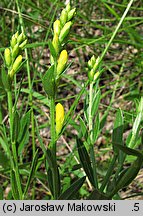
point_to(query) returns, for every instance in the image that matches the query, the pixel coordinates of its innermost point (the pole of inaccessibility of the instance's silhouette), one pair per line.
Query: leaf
(24, 131)
(95, 103)
(136, 125)
(97, 195)
(4, 141)
(50, 158)
(4, 160)
(1, 193)
(49, 82)
(83, 128)
(16, 126)
(72, 190)
(54, 172)
(50, 180)
(32, 172)
(85, 161)
(52, 49)
(117, 136)
(14, 186)
(5, 80)
(86, 108)
(128, 176)
(130, 151)
(96, 128)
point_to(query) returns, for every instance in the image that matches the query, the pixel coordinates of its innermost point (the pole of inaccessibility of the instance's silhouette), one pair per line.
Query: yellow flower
(65, 31)
(62, 61)
(57, 27)
(55, 43)
(15, 66)
(59, 117)
(7, 56)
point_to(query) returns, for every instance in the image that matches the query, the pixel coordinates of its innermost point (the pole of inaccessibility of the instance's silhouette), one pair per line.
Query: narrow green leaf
(72, 190)
(54, 172)
(136, 125)
(130, 151)
(4, 142)
(117, 136)
(95, 103)
(23, 132)
(1, 193)
(50, 158)
(83, 128)
(14, 186)
(49, 82)
(85, 160)
(4, 160)
(128, 176)
(5, 80)
(40, 139)
(96, 128)
(52, 49)
(32, 172)
(97, 195)
(86, 107)
(50, 180)
(16, 126)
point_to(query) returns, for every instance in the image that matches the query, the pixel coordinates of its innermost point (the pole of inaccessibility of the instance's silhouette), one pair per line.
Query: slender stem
(10, 106)
(30, 93)
(91, 134)
(52, 121)
(1, 116)
(16, 170)
(29, 81)
(90, 111)
(15, 165)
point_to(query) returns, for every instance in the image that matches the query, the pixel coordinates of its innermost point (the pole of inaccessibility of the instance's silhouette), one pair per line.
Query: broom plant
(14, 135)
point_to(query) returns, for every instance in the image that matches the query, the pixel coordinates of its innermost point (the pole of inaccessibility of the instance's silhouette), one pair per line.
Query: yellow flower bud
(59, 117)
(15, 51)
(22, 45)
(96, 64)
(55, 43)
(7, 57)
(97, 74)
(68, 7)
(62, 61)
(57, 27)
(65, 30)
(20, 38)
(16, 65)
(16, 35)
(91, 75)
(13, 41)
(91, 62)
(71, 14)
(63, 17)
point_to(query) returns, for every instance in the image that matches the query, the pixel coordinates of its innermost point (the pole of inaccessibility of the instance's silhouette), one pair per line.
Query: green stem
(14, 152)
(92, 155)
(1, 116)
(10, 106)
(16, 170)
(29, 81)
(90, 111)
(52, 122)
(30, 92)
